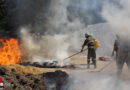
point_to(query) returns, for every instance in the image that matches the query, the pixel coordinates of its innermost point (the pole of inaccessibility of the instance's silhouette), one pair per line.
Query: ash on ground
(47, 64)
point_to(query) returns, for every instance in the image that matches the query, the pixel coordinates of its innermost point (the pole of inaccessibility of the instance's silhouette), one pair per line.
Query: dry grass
(28, 69)
(76, 60)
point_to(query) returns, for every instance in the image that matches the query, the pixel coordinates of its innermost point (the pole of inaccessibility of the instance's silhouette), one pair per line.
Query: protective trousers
(91, 55)
(124, 57)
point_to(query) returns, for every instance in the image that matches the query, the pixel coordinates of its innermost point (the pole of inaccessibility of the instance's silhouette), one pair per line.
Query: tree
(7, 12)
(3, 13)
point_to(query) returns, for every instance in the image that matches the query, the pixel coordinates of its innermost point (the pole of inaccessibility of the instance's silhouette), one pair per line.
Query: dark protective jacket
(90, 42)
(116, 45)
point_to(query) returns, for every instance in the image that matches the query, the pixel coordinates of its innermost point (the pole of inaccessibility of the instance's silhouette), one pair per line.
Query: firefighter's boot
(94, 63)
(88, 65)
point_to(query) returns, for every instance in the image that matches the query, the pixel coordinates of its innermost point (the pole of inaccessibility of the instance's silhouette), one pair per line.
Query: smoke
(88, 11)
(52, 43)
(41, 14)
(104, 33)
(98, 81)
(118, 15)
(51, 28)
(64, 17)
(47, 47)
(57, 27)
(28, 12)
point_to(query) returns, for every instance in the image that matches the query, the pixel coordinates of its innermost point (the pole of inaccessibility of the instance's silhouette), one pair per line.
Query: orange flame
(10, 51)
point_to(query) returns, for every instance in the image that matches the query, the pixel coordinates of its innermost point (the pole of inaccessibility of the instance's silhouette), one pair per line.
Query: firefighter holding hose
(90, 42)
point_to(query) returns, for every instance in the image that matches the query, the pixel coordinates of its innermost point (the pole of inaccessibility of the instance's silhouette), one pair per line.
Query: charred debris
(53, 64)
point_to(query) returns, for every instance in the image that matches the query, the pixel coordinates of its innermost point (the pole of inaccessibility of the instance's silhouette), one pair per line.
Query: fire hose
(74, 54)
(104, 67)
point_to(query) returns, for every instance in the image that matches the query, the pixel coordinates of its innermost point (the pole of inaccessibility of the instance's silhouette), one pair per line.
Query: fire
(10, 51)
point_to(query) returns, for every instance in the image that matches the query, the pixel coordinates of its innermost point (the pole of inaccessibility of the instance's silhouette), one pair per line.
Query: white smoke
(56, 42)
(118, 15)
(46, 48)
(106, 36)
(97, 81)
(61, 35)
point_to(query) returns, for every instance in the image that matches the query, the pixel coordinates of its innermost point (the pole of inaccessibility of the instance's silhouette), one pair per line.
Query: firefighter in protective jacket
(90, 42)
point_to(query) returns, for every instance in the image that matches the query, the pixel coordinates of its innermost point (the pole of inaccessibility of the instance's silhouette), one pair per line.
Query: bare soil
(18, 77)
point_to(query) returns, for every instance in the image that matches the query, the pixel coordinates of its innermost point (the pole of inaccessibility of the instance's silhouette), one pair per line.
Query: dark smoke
(36, 13)
(18, 13)
(27, 12)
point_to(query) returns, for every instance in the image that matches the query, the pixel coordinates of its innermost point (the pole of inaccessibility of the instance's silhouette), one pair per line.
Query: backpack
(97, 44)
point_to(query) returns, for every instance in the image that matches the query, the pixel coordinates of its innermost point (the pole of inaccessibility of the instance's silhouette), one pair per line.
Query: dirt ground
(80, 63)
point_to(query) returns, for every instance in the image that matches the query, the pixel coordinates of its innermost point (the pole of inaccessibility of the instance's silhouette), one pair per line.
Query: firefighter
(116, 46)
(123, 55)
(90, 42)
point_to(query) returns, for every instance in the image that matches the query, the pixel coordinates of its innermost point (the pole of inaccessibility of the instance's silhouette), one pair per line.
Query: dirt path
(81, 61)
(81, 77)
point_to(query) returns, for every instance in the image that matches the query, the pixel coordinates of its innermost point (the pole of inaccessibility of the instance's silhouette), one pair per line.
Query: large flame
(10, 51)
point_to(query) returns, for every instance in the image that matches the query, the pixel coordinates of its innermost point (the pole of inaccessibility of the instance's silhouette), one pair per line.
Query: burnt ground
(44, 81)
